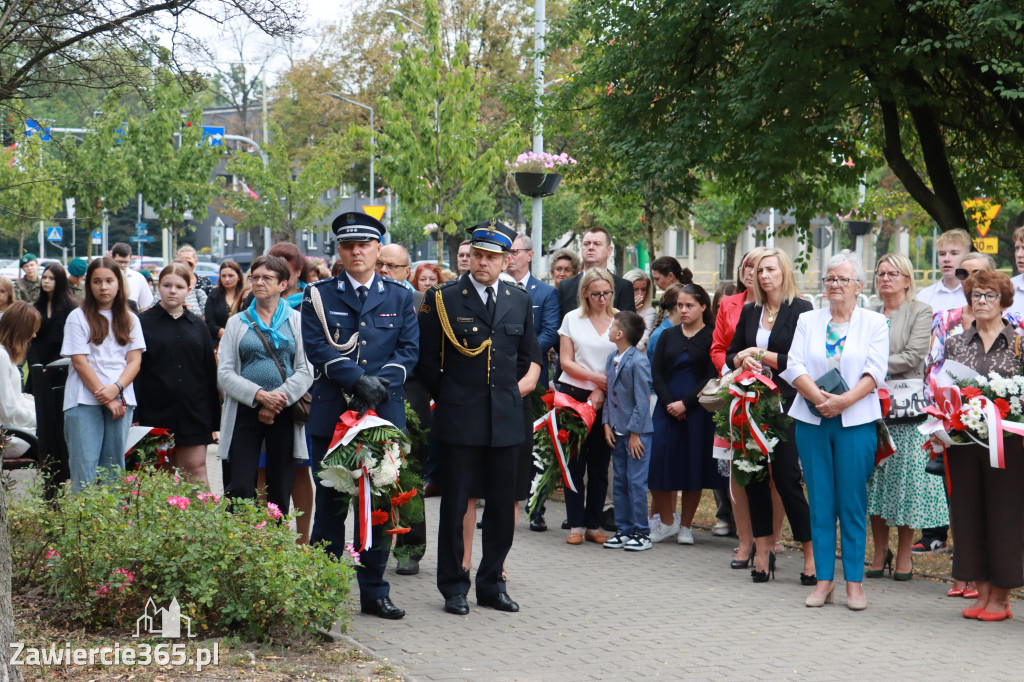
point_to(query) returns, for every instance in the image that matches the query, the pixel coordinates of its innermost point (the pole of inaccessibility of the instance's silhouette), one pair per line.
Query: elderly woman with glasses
(988, 518)
(900, 493)
(838, 358)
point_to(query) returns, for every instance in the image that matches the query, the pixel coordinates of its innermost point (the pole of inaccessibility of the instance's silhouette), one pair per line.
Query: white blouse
(591, 350)
(17, 409)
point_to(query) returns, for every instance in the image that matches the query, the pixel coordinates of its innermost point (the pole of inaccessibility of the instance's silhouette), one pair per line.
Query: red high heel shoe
(990, 616)
(955, 592)
(972, 613)
(970, 593)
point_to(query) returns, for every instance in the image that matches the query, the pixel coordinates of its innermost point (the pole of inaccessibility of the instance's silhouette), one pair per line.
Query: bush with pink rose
(232, 565)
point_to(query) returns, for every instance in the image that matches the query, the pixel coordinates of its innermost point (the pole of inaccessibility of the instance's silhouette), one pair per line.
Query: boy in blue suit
(628, 429)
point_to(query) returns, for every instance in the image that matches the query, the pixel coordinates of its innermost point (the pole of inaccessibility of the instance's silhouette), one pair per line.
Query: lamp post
(372, 129)
(396, 13)
(539, 29)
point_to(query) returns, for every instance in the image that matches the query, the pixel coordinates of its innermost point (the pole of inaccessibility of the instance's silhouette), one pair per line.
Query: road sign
(375, 211)
(987, 245)
(54, 234)
(141, 238)
(32, 127)
(97, 237)
(214, 134)
(140, 229)
(983, 211)
(822, 237)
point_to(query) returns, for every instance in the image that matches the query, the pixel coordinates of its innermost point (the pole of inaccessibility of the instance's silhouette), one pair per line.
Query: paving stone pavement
(677, 612)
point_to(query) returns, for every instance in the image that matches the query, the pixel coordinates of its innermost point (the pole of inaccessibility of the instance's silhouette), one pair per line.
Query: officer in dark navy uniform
(475, 334)
(360, 335)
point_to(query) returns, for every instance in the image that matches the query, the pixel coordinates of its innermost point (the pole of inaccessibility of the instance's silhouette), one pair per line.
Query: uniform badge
(337, 312)
(380, 286)
(463, 319)
(424, 308)
(341, 284)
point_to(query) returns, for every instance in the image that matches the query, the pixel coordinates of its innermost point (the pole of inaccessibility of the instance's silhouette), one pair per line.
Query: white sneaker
(662, 532)
(617, 542)
(685, 536)
(638, 543)
(653, 521)
(721, 528)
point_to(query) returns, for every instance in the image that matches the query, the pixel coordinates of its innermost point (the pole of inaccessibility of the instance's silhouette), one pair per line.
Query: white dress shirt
(1018, 295)
(940, 298)
(138, 288)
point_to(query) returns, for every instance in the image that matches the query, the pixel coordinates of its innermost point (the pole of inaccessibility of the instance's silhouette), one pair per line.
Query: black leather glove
(371, 390)
(359, 405)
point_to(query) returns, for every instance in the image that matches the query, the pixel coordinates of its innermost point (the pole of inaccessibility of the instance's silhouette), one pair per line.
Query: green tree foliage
(171, 164)
(773, 95)
(98, 171)
(434, 142)
(29, 191)
(288, 199)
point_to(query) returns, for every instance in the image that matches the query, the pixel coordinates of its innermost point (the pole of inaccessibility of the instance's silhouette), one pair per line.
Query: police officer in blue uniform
(475, 334)
(360, 335)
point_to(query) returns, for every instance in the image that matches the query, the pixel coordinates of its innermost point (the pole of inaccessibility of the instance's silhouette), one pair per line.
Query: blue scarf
(279, 319)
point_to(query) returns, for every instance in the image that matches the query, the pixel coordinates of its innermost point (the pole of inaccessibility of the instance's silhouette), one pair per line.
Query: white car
(9, 269)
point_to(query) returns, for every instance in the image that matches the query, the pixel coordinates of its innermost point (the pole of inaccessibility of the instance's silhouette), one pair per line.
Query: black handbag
(936, 466)
(299, 410)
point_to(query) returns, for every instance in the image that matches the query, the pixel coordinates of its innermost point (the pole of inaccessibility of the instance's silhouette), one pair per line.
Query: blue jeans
(96, 442)
(629, 489)
(837, 462)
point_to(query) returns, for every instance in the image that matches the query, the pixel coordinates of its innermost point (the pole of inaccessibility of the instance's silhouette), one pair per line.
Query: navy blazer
(386, 344)
(546, 320)
(627, 407)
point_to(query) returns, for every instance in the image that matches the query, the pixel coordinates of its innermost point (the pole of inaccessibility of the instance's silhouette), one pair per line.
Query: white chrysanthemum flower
(386, 473)
(340, 479)
(1015, 405)
(747, 466)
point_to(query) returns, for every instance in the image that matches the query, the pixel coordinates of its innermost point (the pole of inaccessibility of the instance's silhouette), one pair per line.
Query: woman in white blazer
(837, 449)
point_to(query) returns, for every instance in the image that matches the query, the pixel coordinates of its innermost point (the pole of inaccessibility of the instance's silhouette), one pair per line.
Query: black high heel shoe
(878, 573)
(808, 580)
(762, 576)
(745, 563)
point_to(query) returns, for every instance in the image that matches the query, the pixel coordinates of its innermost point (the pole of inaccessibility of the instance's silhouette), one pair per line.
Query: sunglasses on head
(962, 273)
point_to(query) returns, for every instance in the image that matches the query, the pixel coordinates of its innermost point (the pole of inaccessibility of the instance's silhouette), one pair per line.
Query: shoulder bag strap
(252, 324)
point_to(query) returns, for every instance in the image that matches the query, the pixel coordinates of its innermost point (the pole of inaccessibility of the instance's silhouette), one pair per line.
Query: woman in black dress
(177, 385)
(681, 456)
(54, 305)
(225, 300)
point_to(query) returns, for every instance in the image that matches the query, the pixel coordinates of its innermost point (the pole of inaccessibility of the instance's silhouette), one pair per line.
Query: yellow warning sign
(375, 211)
(987, 245)
(982, 212)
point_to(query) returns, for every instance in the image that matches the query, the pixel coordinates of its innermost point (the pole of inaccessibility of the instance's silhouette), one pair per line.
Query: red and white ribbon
(365, 513)
(549, 422)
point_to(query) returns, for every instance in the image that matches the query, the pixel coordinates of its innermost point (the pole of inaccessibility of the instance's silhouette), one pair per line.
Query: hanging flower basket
(537, 184)
(859, 228)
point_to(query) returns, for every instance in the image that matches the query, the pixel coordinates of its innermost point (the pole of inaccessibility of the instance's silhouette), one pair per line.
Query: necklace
(769, 315)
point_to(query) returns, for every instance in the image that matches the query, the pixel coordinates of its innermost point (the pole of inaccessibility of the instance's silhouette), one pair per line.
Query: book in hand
(829, 382)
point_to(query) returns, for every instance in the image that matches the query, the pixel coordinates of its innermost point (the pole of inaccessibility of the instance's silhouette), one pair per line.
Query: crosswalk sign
(54, 234)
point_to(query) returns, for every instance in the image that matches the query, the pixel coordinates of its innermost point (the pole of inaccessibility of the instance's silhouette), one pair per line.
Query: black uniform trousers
(481, 469)
(329, 525)
(785, 472)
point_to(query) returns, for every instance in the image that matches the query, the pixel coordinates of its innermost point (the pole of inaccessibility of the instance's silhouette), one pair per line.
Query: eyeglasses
(990, 296)
(888, 275)
(516, 252)
(841, 282)
(599, 295)
(255, 279)
(381, 265)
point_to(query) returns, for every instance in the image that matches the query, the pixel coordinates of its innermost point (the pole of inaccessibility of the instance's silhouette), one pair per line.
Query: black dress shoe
(538, 524)
(565, 525)
(456, 604)
(408, 566)
(480, 523)
(499, 601)
(383, 608)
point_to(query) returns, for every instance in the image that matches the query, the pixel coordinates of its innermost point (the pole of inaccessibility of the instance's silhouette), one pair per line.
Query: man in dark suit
(545, 323)
(475, 332)
(360, 335)
(597, 249)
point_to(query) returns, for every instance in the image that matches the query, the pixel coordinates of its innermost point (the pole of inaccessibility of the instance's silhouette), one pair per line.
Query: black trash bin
(48, 386)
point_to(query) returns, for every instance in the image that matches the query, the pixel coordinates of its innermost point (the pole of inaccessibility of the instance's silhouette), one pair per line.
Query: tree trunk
(257, 241)
(729, 267)
(7, 671)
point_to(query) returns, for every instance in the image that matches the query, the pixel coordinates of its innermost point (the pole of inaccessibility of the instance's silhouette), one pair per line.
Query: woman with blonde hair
(584, 349)
(6, 294)
(642, 297)
(900, 493)
(762, 339)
